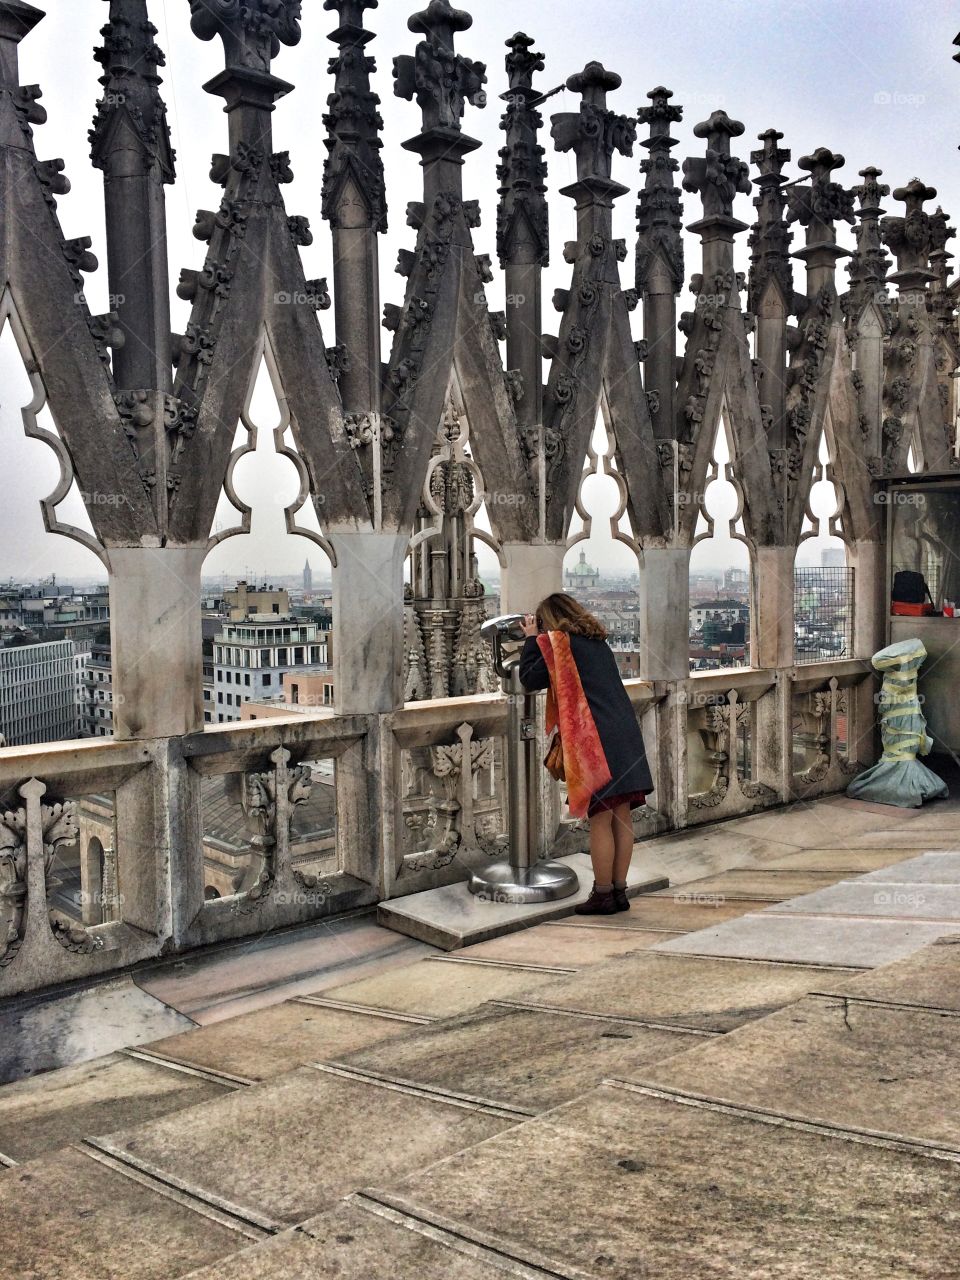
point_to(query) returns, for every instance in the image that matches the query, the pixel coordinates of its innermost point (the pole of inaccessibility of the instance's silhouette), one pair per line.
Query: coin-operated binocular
(521, 878)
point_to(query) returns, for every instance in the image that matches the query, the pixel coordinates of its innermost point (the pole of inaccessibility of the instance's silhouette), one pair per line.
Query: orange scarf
(584, 763)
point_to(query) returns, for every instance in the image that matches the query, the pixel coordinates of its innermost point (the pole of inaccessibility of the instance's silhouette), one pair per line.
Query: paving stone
(51, 1111)
(353, 1243)
(69, 1217)
(40, 1034)
(860, 1066)
(814, 824)
(903, 837)
(676, 913)
(822, 939)
(885, 899)
(626, 1186)
(438, 988)
(289, 1148)
(562, 944)
(928, 978)
(521, 1057)
(929, 868)
(758, 883)
(270, 1041)
(848, 862)
(681, 990)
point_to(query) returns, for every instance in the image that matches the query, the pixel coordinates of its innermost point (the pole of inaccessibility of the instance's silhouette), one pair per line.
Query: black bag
(910, 587)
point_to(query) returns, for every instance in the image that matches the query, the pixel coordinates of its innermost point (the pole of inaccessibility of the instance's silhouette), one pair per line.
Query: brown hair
(560, 612)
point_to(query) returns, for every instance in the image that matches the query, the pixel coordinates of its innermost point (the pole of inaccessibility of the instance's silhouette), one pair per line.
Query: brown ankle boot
(598, 904)
(620, 899)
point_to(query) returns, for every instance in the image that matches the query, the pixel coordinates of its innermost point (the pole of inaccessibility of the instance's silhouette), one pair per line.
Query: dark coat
(610, 705)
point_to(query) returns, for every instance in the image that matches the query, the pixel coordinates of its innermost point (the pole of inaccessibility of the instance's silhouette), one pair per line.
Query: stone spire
(869, 264)
(717, 177)
(941, 301)
(130, 143)
(523, 241)
(442, 82)
(659, 270)
(353, 123)
(770, 287)
(817, 207)
(252, 34)
(522, 218)
(769, 238)
(911, 238)
(594, 132)
(354, 203)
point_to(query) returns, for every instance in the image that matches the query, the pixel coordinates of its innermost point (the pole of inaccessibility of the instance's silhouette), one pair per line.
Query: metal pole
(520, 879)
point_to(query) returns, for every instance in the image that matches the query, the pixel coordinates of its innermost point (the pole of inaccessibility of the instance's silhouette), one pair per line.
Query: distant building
(833, 558)
(38, 693)
(250, 658)
(307, 579)
(301, 690)
(244, 601)
(96, 705)
(724, 611)
(581, 575)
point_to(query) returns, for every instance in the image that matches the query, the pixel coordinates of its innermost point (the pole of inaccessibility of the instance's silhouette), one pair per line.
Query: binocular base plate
(543, 882)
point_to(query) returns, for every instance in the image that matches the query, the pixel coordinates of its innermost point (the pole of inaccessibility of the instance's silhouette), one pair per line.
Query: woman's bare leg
(622, 830)
(602, 848)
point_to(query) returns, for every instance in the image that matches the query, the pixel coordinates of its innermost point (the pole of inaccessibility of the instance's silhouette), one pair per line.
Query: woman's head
(560, 612)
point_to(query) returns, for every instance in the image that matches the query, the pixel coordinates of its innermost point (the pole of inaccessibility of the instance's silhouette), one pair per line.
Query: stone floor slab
(521, 1057)
(562, 944)
(270, 1041)
(929, 978)
(680, 990)
(671, 913)
(290, 1148)
(69, 1217)
(627, 1185)
(351, 1242)
(452, 917)
(51, 1111)
(224, 982)
(848, 862)
(837, 1062)
(883, 899)
(758, 883)
(42, 1033)
(438, 988)
(819, 940)
(939, 867)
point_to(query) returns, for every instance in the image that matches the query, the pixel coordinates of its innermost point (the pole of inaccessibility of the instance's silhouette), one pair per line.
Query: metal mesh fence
(822, 613)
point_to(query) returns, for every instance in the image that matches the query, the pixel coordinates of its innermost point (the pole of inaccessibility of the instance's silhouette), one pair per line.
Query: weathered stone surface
(289, 1148)
(523, 1057)
(560, 944)
(753, 882)
(439, 988)
(846, 862)
(884, 899)
(265, 1043)
(351, 1241)
(829, 940)
(682, 990)
(627, 1185)
(929, 977)
(673, 913)
(53, 1110)
(845, 1063)
(68, 1217)
(41, 1036)
(942, 867)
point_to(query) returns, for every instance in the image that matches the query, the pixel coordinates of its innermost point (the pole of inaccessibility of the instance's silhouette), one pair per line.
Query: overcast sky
(872, 79)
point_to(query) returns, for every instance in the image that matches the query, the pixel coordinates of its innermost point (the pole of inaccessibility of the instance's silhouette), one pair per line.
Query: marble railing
(116, 852)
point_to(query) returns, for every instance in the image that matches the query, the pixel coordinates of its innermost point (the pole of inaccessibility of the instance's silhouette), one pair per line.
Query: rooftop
(790, 997)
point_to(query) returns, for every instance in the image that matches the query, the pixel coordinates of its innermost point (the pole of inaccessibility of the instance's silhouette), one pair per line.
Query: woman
(604, 761)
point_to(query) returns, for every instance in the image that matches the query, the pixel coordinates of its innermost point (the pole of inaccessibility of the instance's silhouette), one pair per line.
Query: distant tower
(307, 578)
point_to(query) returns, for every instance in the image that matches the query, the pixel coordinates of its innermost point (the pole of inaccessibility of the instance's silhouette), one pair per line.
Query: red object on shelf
(902, 610)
